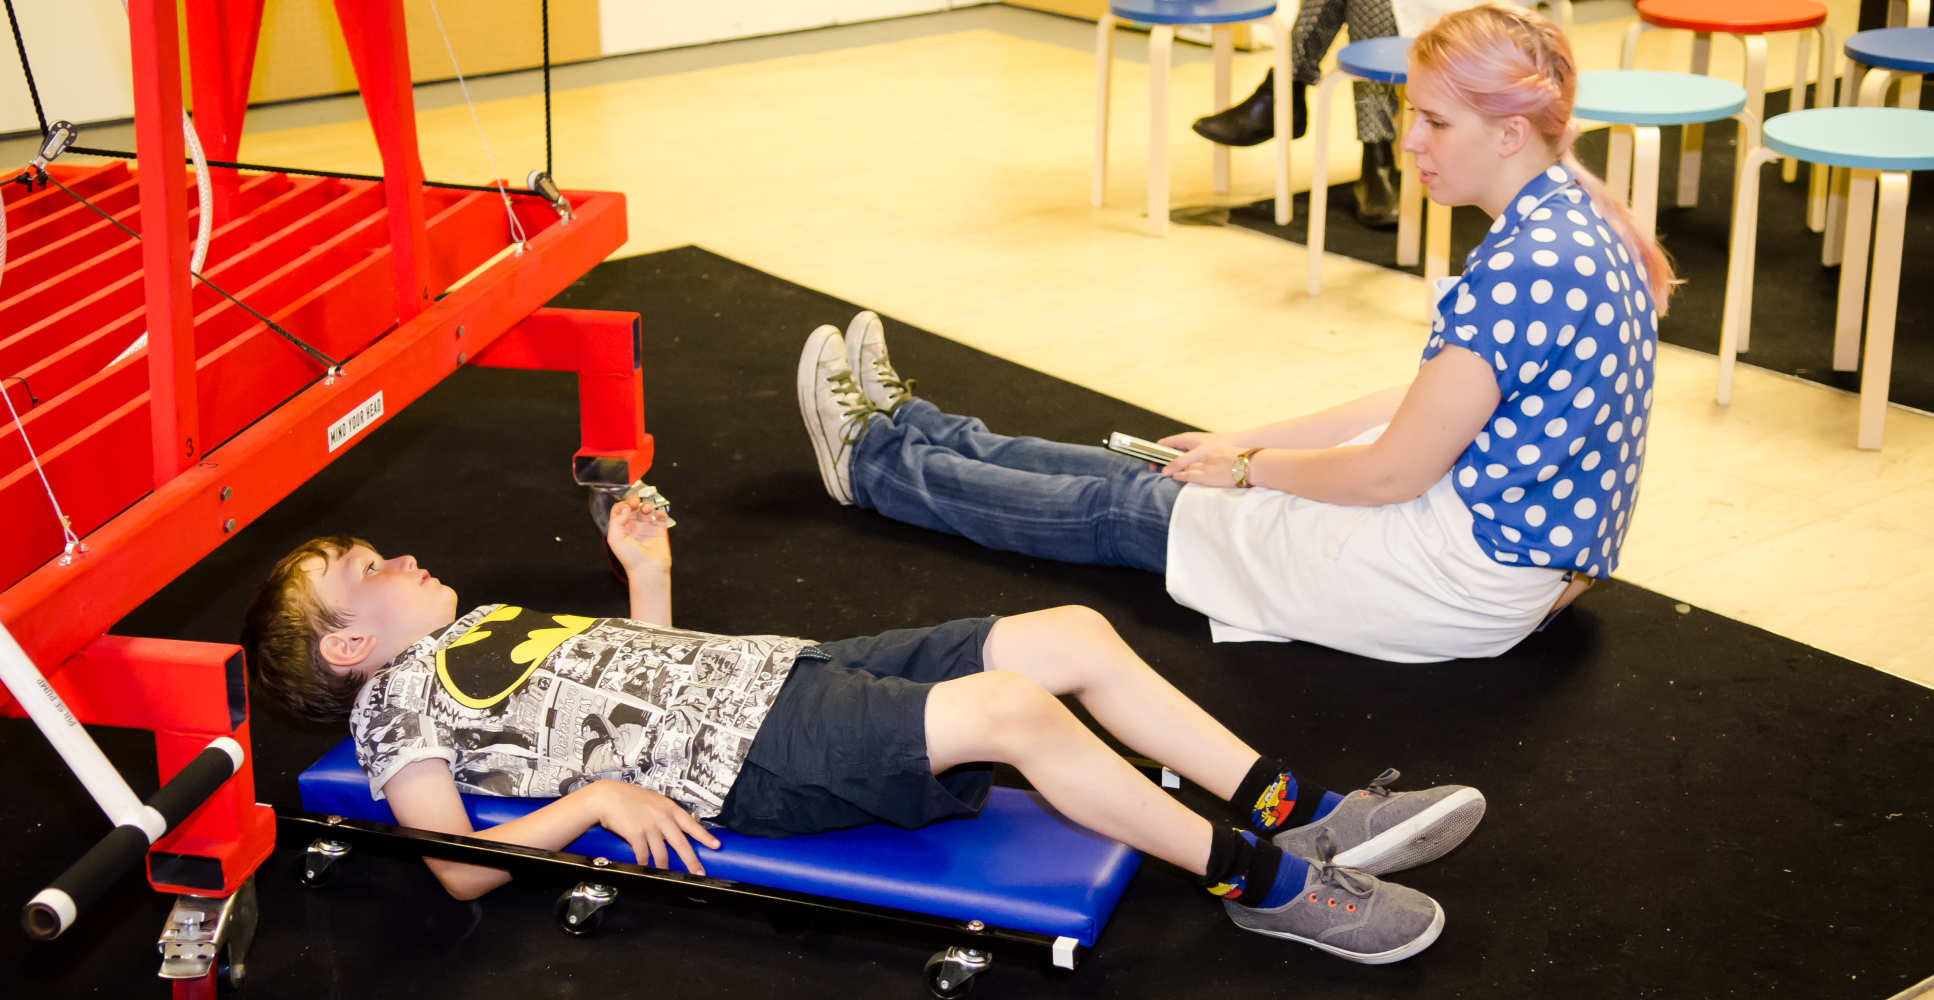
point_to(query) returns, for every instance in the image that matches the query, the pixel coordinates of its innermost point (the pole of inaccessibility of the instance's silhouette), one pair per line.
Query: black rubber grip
(192, 785)
(124, 846)
(85, 881)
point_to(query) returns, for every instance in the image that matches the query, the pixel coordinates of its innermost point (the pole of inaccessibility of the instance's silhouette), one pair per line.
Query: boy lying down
(654, 731)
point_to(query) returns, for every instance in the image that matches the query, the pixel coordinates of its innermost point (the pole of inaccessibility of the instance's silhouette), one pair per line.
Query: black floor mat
(1793, 296)
(1680, 805)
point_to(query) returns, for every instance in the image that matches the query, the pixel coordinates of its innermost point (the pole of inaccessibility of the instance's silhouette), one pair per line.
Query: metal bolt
(975, 926)
(459, 332)
(462, 357)
(601, 862)
(946, 984)
(334, 821)
(228, 525)
(227, 492)
(570, 918)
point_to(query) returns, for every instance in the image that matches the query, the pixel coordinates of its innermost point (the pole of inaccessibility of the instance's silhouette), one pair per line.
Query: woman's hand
(1191, 440)
(1212, 463)
(654, 826)
(639, 537)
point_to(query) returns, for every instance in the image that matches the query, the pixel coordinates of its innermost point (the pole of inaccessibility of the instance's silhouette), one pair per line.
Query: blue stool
(1880, 147)
(1635, 103)
(1379, 60)
(1162, 17)
(1902, 55)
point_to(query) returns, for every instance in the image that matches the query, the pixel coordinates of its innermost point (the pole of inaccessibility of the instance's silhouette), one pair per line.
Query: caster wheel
(950, 977)
(574, 923)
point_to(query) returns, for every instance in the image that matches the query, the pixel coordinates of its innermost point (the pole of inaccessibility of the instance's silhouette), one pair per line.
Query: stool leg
(1796, 97)
(1890, 227)
(1692, 137)
(1853, 270)
(1160, 38)
(1645, 179)
(1835, 236)
(1755, 82)
(1319, 185)
(1739, 271)
(1628, 54)
(1285, 202)
(1410, 198)
(1618, 163)
(1816, 173)
(1104, 63)
(1223, 45)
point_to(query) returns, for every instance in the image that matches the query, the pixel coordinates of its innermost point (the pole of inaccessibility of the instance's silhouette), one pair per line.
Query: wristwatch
(1240, 470)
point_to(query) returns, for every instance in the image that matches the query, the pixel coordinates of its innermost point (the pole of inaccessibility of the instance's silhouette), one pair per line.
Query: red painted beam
(56, 610)
(175, 443)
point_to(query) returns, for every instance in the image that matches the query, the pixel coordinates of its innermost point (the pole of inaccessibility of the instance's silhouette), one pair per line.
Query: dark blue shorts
(846, 741)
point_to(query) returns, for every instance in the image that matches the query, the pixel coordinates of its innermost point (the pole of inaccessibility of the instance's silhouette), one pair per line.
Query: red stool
(1750, 21)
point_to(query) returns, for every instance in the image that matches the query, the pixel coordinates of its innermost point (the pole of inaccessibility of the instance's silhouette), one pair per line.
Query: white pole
(72, 742)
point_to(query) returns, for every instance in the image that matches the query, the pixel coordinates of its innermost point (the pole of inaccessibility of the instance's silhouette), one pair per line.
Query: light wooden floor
(940, 174)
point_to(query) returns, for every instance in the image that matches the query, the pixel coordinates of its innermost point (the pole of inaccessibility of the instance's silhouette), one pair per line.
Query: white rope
(516, 228)
(73, 541)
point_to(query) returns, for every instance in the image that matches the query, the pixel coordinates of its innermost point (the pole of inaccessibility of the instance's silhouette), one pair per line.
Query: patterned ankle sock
(1271, 797)
(1245, 870)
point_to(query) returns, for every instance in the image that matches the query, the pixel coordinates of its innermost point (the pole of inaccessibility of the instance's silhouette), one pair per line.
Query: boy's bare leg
(1074, 651)
(1004, 716)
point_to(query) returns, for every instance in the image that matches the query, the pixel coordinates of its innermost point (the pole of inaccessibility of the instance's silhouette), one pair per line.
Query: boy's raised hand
(638, 536)
(652, 824)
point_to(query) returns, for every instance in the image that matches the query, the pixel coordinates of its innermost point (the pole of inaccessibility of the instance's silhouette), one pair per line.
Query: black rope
(32, 400)
(32, 91)
(123, 154)
(328, 363)
(544, 6)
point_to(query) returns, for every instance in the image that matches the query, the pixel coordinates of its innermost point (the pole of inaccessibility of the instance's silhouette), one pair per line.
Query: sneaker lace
(1357, 883)
(1380, 785)
(854, 409)
(899, 387)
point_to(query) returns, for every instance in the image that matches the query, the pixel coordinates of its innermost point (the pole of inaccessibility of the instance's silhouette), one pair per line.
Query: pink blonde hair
(1505, 61)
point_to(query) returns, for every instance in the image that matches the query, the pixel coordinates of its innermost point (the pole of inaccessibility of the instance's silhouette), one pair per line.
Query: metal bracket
(197, 929)
(544, 187)
(60, 136)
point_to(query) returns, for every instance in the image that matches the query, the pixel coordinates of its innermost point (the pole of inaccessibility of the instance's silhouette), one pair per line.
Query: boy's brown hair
(282, 636)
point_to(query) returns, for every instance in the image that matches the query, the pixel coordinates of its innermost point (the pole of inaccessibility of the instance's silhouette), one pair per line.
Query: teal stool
(1162, 18)
(1880, 147)
(1877, 60)
(1379, 60)
(1635, 103)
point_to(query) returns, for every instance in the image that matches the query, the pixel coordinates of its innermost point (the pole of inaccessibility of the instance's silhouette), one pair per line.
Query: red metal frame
(230, 415)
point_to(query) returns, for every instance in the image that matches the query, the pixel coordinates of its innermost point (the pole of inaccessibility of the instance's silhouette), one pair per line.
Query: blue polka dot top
(1553, 300)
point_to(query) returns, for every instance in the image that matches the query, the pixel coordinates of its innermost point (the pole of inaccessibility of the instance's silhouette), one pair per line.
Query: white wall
(79, 48)
(644, 25)
(79, 51)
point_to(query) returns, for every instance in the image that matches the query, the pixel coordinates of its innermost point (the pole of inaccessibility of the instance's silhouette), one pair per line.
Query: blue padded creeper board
(1017, 865)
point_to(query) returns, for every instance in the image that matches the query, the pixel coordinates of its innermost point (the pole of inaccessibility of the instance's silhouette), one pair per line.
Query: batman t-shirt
(526, 703)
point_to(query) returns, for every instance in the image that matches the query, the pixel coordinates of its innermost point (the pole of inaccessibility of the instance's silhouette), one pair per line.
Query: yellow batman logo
(485, 664)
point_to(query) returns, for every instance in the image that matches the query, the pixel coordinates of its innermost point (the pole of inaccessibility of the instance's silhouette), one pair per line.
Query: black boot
(1253, 120)
(1376, 190)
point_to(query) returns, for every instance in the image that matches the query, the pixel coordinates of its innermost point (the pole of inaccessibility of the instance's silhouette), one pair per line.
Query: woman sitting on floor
(1448, 517)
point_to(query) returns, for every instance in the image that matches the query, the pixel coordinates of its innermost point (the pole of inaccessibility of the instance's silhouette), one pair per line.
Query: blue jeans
(1072, 503)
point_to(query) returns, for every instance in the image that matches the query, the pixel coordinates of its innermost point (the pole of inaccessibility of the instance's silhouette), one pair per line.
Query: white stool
(1379, 60)
(1163, 17)
(1881, 147)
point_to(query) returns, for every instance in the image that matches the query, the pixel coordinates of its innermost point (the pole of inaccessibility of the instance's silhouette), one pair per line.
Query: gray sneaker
(1350, 914)
(834, 411)
(866, 355)
(1381, 831)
